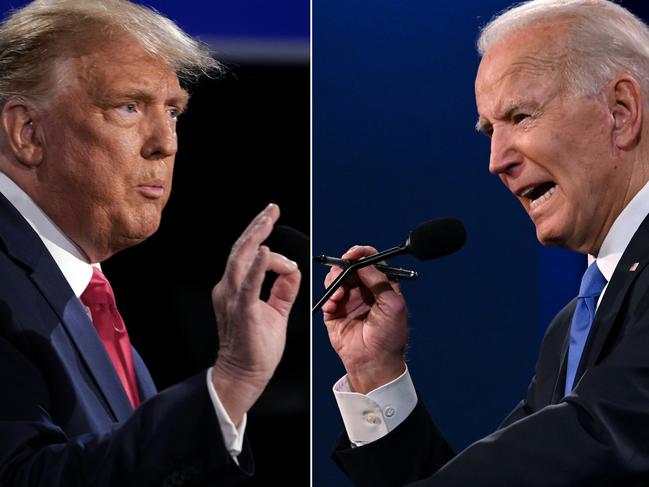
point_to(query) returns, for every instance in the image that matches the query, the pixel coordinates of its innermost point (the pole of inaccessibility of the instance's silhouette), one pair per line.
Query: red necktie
(100, 300)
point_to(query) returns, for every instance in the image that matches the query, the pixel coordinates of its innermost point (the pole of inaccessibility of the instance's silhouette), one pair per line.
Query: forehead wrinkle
(103, 85)
(534, 66)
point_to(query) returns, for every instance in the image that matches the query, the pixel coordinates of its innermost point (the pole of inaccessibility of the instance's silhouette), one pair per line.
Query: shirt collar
(68, 257)
(621, 232)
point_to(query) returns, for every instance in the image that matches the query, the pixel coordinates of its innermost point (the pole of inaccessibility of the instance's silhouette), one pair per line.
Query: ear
(20, 124)
(626, 102)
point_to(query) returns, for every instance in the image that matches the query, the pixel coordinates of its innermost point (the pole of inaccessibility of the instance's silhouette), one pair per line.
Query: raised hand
(252, 332)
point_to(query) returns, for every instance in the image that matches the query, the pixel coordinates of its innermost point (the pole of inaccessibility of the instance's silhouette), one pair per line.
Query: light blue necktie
(592, 284)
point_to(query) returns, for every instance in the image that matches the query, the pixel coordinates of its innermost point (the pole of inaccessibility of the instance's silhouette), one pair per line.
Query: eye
(174, 113)
(519, 117)
(128, 108)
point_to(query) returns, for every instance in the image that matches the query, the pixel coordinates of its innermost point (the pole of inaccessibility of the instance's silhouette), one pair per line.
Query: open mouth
(539, 194)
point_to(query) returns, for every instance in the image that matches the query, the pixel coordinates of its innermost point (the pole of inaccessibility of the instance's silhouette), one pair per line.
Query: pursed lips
(152, 189)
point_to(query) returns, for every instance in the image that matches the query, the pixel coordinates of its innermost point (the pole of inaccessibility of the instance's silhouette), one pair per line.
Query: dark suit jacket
(64, 417)
(596, 436)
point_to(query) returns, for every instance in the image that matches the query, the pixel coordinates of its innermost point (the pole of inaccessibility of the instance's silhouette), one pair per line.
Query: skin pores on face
(109, 139)
(553, 149)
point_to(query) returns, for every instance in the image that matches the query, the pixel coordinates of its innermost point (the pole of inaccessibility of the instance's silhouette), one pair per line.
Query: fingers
(271, 211)
(280, 264)
(251, 285)
(369, 276)
(249, 261)
(359, 251)
(284, 291)
(333, 309)
(355, 253)
(286, 286)
(331, 305)
(245, 249)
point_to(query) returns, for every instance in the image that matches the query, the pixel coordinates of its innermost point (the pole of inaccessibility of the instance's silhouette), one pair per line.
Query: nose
(504, 157)
(160, 139)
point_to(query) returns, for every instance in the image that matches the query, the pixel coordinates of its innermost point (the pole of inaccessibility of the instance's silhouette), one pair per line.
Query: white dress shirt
(370, 417)
(620, 234)
(78, 271)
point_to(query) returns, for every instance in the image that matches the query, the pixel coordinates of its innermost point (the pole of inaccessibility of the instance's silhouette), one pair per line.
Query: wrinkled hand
(252, 332)
(367, 321)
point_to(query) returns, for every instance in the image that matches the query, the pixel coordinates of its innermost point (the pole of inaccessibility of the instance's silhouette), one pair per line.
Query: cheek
(84, 157)
(113, 166)
(170, 174)
(66, 169)
(571, 160)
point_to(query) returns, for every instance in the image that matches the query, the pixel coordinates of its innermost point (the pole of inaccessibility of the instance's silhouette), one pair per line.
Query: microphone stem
(364, 262)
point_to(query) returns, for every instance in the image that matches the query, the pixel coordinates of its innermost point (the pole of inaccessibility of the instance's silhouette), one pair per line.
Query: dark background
(394, 145)
(244, 142)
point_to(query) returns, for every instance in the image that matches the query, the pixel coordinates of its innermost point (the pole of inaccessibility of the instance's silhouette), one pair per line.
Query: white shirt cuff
(232, 437)
(370, 417)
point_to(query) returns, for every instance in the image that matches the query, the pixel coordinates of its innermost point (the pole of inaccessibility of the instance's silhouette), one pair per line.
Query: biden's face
(552, 148)
(109, 146)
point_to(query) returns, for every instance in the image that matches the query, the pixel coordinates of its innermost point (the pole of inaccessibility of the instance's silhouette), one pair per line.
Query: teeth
(527, 191)
(543, 198)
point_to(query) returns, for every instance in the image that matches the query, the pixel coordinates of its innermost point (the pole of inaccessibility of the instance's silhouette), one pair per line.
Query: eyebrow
(484, 126)
(180, 99)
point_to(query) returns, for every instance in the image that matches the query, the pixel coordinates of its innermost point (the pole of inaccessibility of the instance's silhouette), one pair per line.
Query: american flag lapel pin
(634, 266)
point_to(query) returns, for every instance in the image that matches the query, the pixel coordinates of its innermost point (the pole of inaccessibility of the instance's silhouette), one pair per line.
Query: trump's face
(109, 136)
(554, 150)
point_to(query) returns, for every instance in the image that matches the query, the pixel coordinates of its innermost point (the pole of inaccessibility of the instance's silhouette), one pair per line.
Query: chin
(549, 238)
(137, 230)
(568, 242)
(144, 232)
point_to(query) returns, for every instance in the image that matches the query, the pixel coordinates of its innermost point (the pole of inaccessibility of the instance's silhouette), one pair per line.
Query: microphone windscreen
(436, 238)
(290, 243)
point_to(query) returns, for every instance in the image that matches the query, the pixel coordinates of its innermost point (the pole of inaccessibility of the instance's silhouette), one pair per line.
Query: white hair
(602, 39)
(34, 38)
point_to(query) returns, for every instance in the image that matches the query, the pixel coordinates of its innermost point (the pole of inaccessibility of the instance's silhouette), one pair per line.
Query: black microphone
(291, 243)
(430, 240)
(294, 245)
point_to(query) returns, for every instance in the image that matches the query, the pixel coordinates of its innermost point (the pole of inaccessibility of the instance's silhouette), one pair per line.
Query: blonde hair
(602, 39)
(35, 37)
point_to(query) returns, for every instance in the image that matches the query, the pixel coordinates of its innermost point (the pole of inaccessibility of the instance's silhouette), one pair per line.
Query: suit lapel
(145, 384)
(634, 259)
(49, 280)
(24, 245)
